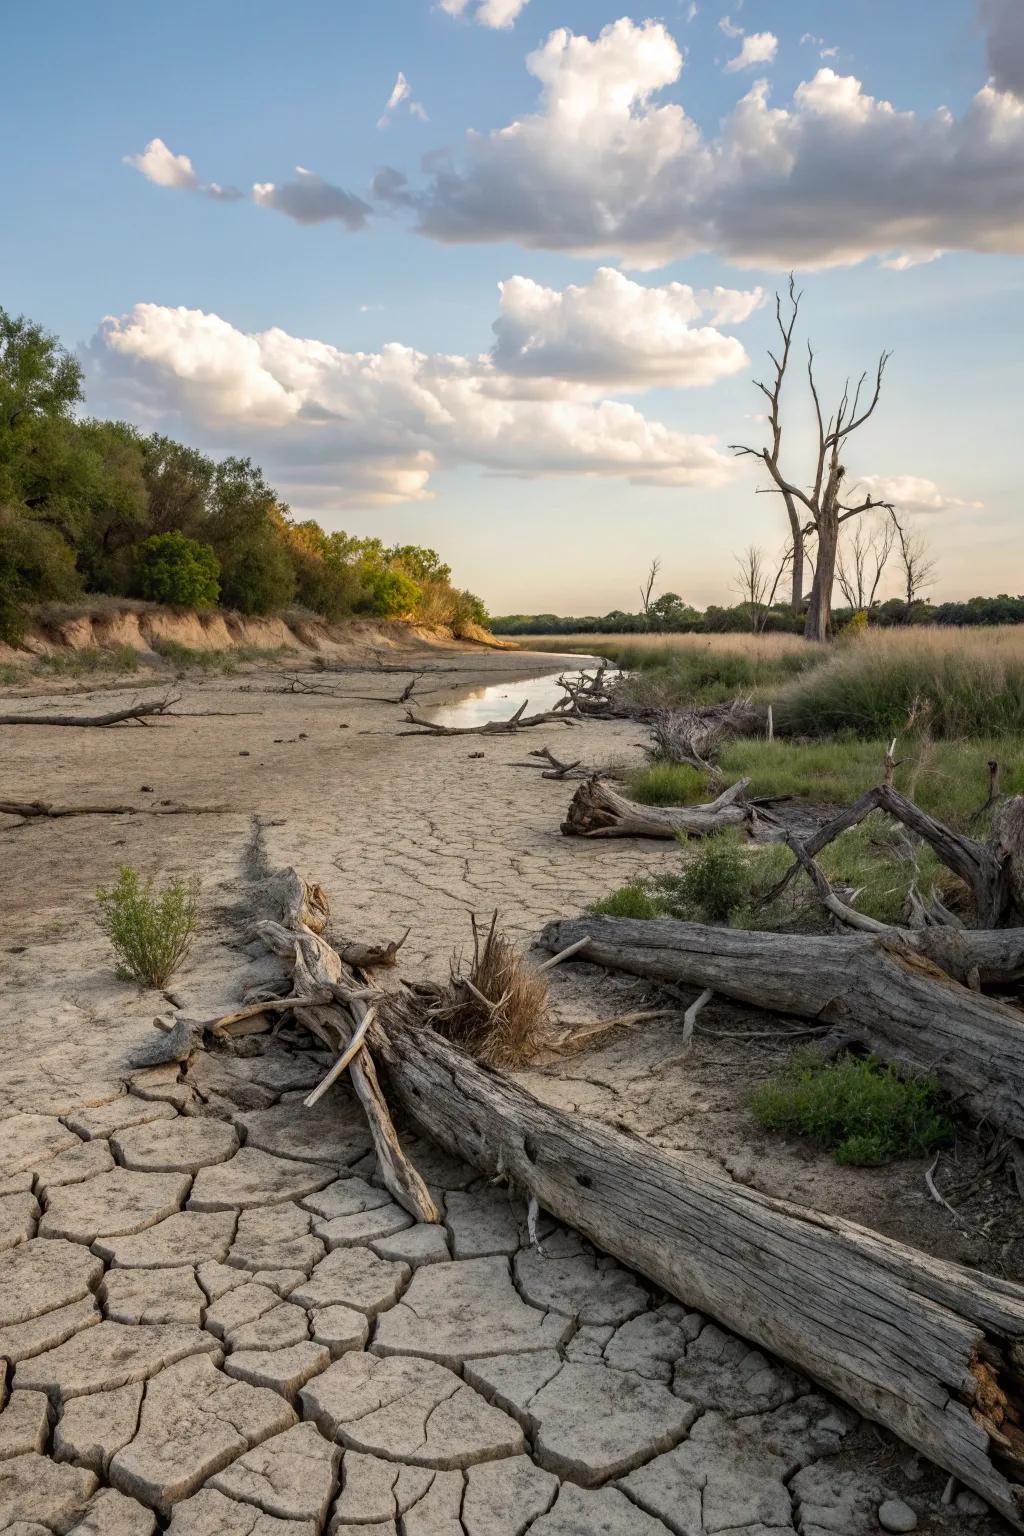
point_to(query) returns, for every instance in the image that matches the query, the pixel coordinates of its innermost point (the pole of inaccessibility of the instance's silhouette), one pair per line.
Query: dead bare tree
(755, 585)
(917, 566)
(647, 591)
(861, 563)
(820, 509)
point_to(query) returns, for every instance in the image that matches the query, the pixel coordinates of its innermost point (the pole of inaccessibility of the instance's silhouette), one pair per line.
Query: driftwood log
(927, 1348)
(896, 999)
(597, 810)
(137, 714)
(517, 722)
(42, 809)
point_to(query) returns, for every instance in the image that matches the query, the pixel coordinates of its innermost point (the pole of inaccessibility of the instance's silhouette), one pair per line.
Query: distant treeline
(92, 506)
(677, 617)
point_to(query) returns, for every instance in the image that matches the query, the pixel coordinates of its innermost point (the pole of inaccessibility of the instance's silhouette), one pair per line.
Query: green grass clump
(949, 779)
(89, 660)
(862, 1110)
(10, 672)
(667, 784)
(628, 901)
(151, 931)
(217, 662)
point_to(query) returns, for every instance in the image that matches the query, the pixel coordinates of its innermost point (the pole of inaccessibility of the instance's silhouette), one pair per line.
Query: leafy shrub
(151, 931)
(628, 901)
(862, 1110)
(170, 568)
(392, 594)
(713, 884)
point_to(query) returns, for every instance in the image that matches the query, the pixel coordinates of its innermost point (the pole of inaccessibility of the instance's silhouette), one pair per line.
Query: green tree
(35, 563)
(421, 564)
(178, 483)
(246, 526)
(170, 568)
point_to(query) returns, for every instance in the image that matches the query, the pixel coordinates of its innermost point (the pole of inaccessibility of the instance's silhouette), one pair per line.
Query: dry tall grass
(770, 647)
(497, 1009)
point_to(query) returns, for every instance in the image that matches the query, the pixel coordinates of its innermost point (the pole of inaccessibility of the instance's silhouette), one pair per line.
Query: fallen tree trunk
(597, 810)
(33, 809)
(924, 1347)
(137, 713)
(894, 998)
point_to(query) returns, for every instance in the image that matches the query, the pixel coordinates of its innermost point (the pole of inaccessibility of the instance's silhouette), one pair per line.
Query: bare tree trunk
(797, 536)
(819, 611)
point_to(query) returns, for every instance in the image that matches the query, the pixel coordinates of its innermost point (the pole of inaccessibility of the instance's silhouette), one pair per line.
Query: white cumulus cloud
(341, 428)
(604, 168)
(489, 13)
(757, 48)
(617, 333)
(311, 200)
(913, 493)
(164, 168)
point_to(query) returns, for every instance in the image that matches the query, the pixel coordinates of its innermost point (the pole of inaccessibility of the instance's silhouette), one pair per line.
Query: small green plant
(862, 1110)
(151, 930)
(628, 901)
(713, 884)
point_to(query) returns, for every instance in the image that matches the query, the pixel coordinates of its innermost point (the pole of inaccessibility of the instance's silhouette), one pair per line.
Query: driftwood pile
(931, 1350)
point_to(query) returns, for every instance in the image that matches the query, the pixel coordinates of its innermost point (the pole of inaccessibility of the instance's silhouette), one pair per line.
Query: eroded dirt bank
(274, 1284)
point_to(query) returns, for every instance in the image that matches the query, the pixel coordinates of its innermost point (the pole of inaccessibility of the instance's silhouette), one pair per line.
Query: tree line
(671, 615)
(90, 506)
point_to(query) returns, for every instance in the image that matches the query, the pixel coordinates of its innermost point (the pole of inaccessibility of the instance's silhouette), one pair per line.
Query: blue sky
(543, 511)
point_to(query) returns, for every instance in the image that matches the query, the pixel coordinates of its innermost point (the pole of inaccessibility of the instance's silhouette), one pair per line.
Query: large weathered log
(894, 998)
(927, 1348)
(137, 713)
(597, 810)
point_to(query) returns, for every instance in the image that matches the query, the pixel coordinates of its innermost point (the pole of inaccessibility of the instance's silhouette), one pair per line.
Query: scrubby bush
(862, 1110)
(151, 930)
(713, 883)
(169, 568)
(633, 900)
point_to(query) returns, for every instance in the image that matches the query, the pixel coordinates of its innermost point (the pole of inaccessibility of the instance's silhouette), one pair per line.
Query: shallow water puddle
(500, 700)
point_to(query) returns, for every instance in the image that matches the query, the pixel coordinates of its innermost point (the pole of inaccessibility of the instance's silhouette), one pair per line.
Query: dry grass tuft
(498, 1009)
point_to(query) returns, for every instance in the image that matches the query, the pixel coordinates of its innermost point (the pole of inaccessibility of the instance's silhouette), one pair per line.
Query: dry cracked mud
(215, 1322)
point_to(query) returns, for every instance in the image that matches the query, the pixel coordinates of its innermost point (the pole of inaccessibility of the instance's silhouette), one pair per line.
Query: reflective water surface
(500, 700)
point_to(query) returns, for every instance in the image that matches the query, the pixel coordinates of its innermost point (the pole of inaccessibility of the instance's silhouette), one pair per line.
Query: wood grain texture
(923, 1347)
